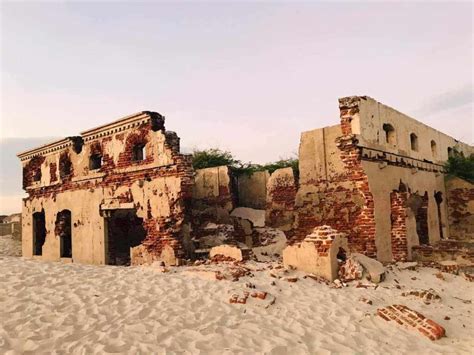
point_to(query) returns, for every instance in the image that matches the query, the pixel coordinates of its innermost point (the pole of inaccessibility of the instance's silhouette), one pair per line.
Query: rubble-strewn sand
(72, 308)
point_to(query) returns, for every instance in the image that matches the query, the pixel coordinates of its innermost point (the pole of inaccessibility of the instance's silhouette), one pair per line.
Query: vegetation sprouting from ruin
(213, 157)
(461, 166)
(209, 158)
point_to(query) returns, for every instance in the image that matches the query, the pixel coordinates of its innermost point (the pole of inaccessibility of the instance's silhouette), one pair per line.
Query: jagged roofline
(120, 124)
(348, 102)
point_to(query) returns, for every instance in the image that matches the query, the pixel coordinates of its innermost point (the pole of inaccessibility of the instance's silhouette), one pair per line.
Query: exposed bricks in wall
(411, 319)
(66, 170)
(31, 170)
(460, 200)
(53, 169)
(344, 202)
(281, 194)
(134, 141)
(398, 206)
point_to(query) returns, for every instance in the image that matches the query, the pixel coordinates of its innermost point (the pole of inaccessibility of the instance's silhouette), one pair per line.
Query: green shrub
(209, 158)
(461, 167)
(213, 157)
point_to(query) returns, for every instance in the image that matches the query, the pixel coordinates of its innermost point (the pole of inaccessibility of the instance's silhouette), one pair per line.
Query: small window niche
(139, 152)
(95, 162)
(434, 149)
(390, 135)
(414, 142)
(37, 175)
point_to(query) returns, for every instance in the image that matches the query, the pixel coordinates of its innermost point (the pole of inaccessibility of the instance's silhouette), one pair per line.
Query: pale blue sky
(248, 77)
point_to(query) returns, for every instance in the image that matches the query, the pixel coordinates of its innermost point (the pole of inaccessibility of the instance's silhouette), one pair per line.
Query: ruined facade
(118, 187)
(379, 177)
(123, 193)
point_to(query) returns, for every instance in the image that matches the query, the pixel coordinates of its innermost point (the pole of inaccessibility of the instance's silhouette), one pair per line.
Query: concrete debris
(257, 217)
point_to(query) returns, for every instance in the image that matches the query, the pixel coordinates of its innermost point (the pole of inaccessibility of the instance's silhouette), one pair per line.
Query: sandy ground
(80, 309)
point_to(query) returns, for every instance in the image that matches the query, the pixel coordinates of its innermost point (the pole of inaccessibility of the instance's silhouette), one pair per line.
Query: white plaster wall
(374, 114)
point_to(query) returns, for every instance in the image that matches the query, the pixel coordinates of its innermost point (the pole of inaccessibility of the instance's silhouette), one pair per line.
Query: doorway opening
(63, 230)
(39, 232)
(124, 231)
(439, 199)
(419, 206)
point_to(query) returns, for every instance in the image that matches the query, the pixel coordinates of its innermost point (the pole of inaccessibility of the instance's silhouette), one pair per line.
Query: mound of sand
(81, 309)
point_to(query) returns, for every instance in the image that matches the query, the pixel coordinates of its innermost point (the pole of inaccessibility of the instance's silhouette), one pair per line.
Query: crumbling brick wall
(158, 188)
(281, 193)
(460, 199)
(341, 199)
(32, 170)
(398, 207)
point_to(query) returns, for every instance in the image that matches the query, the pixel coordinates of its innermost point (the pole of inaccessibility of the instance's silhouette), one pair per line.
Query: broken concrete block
(375, 269)
(257, 217)
(317, 253)
(226, 250)
(411, 265)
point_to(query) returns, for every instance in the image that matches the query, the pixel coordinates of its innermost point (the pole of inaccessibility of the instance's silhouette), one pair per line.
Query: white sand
(81, 309)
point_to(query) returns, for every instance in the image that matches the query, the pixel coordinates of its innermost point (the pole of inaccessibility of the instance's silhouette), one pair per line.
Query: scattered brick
(413, 320)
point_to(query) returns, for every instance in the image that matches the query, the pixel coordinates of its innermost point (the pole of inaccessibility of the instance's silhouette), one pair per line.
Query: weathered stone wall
(157, 188)
(460, 198)
(213, 195)
(252, 190)
(281, 193)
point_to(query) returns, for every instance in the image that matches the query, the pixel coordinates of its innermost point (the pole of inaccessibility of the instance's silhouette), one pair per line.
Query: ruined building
(123, 193)
(116, 192)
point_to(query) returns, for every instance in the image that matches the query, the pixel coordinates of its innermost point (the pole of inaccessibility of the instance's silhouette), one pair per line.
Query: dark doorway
(419, 206)
(39, 232)
(125, 230)
(439, 199)
(63, 230)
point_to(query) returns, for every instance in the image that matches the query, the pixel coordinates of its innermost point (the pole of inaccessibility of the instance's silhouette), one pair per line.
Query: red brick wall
(344, 202)
(398, 200)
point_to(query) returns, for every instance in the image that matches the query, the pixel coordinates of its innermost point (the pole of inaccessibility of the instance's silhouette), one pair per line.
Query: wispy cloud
(448, 100)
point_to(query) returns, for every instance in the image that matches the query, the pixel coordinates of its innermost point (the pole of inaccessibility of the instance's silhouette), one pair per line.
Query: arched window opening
(414, 142)
(434, 150)
(450, 152)
(139, 153)
(390, 136)
(95, 161)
